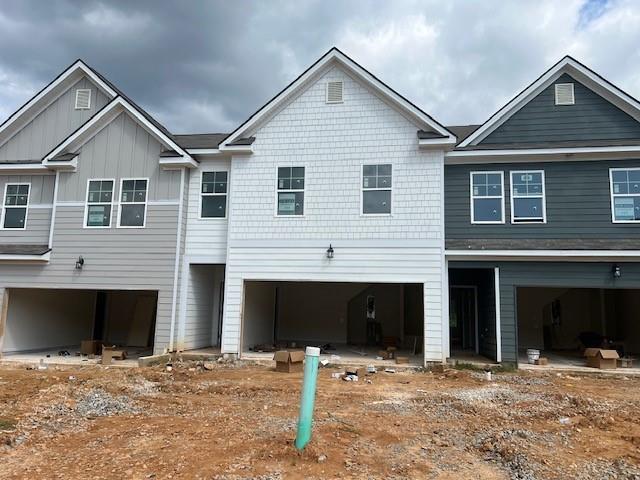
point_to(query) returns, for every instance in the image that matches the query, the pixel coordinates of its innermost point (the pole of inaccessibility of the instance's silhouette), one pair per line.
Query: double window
(527, 197)
(625, 194)
(290, 191)
(376, 189)
(487, 197)
(16, 202)
(99, 203)
(213, 193)
(133, 202)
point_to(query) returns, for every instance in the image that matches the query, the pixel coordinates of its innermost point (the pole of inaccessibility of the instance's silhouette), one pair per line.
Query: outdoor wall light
(616, 272)
(330, 252)
(79, 263)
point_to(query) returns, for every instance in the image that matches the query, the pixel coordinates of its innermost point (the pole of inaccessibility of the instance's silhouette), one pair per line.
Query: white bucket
(533, 355)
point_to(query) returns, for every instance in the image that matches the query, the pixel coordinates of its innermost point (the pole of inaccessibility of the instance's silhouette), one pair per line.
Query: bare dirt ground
(238, 422)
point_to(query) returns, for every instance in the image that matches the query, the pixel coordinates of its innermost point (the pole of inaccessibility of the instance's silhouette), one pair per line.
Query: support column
(4, 311)
(496, 278)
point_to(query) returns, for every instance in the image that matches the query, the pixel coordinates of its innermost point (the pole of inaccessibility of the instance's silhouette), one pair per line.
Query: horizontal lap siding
(577, 198)
(590, 118)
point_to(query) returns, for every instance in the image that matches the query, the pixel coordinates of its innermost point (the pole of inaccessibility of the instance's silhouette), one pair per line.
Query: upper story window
(83, 99)
(290, 193)
(625, 194)
(487, 197)
(133, 202)
(376, 189)
(527, 197)
(16, 202)
(213, 192)
(99, 203)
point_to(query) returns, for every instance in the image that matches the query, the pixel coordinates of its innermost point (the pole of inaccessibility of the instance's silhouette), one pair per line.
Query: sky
(205, 66)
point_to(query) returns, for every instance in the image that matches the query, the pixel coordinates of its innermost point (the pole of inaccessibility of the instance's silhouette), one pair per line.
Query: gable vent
(564, 94)
(334, 92)
(83, 99)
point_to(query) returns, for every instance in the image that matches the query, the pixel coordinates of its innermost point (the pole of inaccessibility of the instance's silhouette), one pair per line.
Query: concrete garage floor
(571, 362)
(51, 357)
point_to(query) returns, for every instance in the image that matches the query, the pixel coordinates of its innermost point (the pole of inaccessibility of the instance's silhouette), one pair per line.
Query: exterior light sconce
(79, 263)
(616, 272)
(330, 252)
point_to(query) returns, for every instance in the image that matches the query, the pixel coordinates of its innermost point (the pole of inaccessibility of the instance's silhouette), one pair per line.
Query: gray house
(542, 219)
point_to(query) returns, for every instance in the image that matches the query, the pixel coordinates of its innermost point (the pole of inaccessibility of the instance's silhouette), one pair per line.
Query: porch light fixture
(79, 263)
(616, 272)
(330, 252)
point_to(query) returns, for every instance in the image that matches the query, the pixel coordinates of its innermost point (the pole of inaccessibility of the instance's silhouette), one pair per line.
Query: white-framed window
(290, 191)
(15, 205)
(213, 195)
(625, 195)
(83, 99)
(99, 204)
(376, 189)
(528, 204)
(132, 212)
(487, 197)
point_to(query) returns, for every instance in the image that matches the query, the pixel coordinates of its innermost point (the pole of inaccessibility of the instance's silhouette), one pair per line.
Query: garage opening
(562, 322)
(351, 322)
(51, 324)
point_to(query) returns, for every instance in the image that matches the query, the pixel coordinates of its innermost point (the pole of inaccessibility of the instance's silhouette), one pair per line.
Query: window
(376, 189)
(213, 202)
(487, 197)
(290, 191)
(99, 202)
(564, 94)
(16, 202)
(133, 202)
(83, 99)
(625, 194)
(527, 197)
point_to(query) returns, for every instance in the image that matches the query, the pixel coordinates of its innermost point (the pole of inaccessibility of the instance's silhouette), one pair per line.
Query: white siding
(332, 142)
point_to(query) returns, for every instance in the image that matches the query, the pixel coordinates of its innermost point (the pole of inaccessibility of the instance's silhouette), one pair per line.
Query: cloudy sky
(204, 66)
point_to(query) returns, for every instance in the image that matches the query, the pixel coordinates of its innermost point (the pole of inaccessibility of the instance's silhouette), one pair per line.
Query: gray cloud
(204, 66)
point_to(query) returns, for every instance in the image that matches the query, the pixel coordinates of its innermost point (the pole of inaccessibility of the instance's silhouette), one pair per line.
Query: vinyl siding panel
(201, 324)
(541, 120)
(577, 198)
(53, 124)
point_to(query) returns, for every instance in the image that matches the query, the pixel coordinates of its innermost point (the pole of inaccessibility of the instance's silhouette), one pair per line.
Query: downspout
(53, 210)
(176, 269)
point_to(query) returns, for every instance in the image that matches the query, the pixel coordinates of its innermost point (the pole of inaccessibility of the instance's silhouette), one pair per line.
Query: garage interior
(562, 322)
(49, 323)
(351, 322)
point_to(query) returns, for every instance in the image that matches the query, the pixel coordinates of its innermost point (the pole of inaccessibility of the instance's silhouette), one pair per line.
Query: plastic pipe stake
(308, 397)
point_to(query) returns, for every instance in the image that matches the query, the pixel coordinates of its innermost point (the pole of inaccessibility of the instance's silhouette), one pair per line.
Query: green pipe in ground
(308, 398)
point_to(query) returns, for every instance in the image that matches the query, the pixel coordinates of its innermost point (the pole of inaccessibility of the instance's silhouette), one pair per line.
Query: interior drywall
(39, 319)
(130, 318)
(258, 313)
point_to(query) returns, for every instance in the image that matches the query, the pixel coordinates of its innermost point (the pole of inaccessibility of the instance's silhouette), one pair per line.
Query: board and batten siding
(38, 212)
(541, 120)
(332, 142)
(577, 198)
(53, 124)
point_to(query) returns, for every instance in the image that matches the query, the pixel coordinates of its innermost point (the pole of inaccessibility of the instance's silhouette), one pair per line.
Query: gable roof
(567, 65)
(442, 135)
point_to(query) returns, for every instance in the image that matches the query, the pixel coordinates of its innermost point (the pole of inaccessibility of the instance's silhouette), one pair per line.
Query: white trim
(472, 197)
(86, 202)
(568, 65)
(436, 142)
(78, 65)
(332, 102)
(496, 286)
(541, 254)
(612, 195)
(145, 203)
(5, 207)
(24, 168)
(63, 166)
(78, 90)
(212, 169)
(297, 190)
(479, 154)
(375, 189)
(203, 151)
(41, 206)
(571, 101)
(177, 162)
(334, 55)
(176, 267)
(528, 221)
(44, 258)
(54, 209)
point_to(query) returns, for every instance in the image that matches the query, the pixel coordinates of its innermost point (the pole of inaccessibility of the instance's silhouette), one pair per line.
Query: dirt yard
(239, 422)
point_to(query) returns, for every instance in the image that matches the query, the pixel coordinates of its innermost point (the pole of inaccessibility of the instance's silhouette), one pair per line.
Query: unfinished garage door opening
(51, 324)
(351, 322)
(562, 322)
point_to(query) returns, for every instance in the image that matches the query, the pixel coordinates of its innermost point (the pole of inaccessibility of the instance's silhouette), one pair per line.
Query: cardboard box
(402, 359)
(109, 353)
(600, 358)
(91, 347)
(542, 361)
(289, 361)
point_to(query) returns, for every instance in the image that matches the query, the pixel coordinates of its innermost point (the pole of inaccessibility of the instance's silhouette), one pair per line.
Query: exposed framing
(5, 207)
(145, 203)
(543, 195)
(475, 300)
(472, 197)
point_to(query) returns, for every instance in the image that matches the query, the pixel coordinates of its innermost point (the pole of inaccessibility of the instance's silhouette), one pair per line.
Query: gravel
(99, 403)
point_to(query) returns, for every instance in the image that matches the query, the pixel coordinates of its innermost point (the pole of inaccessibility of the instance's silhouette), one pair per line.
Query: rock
(208, 365)
(322, 458)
